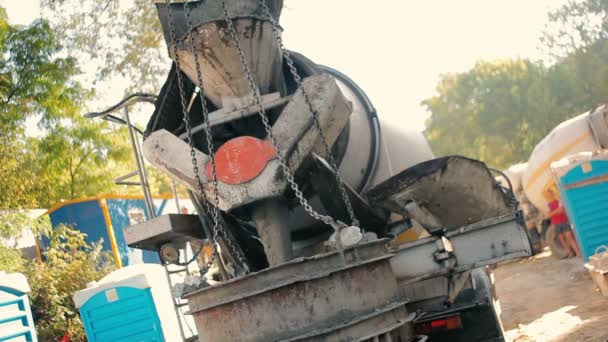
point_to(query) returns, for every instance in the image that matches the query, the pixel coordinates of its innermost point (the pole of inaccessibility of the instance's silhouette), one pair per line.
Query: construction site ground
(545, 299)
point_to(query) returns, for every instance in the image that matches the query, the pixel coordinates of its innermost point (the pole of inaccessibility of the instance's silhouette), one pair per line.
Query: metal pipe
(125, 177)
(175, 303)
(140, 155)
(126, 102)
(174, 189)
(271, 221)
(140, 167)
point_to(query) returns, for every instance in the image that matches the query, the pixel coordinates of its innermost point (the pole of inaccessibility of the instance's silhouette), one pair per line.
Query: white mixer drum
(569, 137)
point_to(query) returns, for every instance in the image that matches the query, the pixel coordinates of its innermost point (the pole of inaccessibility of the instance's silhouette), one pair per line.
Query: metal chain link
(262, 113)
(315, 114)
(209, 137)
(186, 119)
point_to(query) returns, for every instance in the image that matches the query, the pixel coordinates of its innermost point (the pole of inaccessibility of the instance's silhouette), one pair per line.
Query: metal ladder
(134, 135)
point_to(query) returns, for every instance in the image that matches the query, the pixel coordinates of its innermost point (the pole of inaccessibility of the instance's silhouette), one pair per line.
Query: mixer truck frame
(308, 200)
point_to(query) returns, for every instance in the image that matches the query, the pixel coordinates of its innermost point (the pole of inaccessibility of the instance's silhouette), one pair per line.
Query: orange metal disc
(241, 159)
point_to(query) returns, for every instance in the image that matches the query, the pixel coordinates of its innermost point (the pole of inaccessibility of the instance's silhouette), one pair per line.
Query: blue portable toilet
(133, 303)
(583, 185)
(105, 217)
(16, 323)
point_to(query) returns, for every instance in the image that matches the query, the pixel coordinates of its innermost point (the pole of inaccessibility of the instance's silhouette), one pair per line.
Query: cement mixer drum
(220, 67)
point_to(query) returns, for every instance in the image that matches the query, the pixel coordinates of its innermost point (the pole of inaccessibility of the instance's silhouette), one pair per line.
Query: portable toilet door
(583, 186)
(121, 313)
(133, 303)
(16, 323)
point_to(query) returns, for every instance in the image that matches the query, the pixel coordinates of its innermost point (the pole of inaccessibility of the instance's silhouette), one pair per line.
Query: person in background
(559, 219)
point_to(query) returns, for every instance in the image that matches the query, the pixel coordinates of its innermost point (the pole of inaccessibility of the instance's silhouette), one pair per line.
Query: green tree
(123, 39)
(18, 185)
(81, 158)
(575, 26)
(11, 260)
(32, 84)
(485, 112)
(70, 156)
(577, 36)
(12, 223)
(499, 111)
(70, 264)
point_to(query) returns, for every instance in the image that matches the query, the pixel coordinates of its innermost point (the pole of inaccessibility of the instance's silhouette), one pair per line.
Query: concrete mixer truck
(531, 181)
(323, 222)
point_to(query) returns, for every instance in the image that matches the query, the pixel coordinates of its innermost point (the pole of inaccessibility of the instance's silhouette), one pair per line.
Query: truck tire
(484, 287)
(482, 322)
(552, 240)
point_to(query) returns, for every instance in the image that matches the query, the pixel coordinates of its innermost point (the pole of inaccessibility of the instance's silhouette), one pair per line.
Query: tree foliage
(70, 156)
(13, 222)
(11, 260)
(498, 111)
(484, 112)
(123, 39)
(575, 26)
(33, 84)
(70, 263)
(81, 158)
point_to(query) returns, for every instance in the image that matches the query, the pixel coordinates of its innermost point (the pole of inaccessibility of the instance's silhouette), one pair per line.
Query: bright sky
(395, 49)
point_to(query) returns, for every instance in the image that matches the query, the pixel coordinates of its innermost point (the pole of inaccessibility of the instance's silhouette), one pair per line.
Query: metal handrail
(126, 102)
(124, 105)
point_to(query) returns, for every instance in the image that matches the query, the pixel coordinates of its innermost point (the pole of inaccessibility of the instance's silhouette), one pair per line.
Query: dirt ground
(545, 299)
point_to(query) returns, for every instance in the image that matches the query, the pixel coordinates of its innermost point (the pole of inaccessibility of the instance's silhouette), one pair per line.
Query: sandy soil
(544, 299)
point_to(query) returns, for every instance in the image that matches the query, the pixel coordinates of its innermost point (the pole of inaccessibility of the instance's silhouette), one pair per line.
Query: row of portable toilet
(16, 321)
(582, 180)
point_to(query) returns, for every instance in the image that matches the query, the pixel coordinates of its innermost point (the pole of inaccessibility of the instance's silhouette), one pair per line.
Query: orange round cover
(241, 160)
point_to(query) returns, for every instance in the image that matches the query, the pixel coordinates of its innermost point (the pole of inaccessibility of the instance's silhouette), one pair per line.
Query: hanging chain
(283, 163)
(186, 119)
(315, 114)
(209, 137)
(217, 228)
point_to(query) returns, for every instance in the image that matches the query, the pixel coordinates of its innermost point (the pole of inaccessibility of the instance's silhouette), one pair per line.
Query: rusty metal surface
(483, 243)
(293, 271)
(296, 298)
(389, 321)
(456, 190)
(220, 66)
(270, 218)
(152, 234)
(203, 12)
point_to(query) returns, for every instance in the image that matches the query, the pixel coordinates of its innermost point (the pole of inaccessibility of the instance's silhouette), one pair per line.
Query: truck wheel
(535, 240)
(484, 285)
(552, 240)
